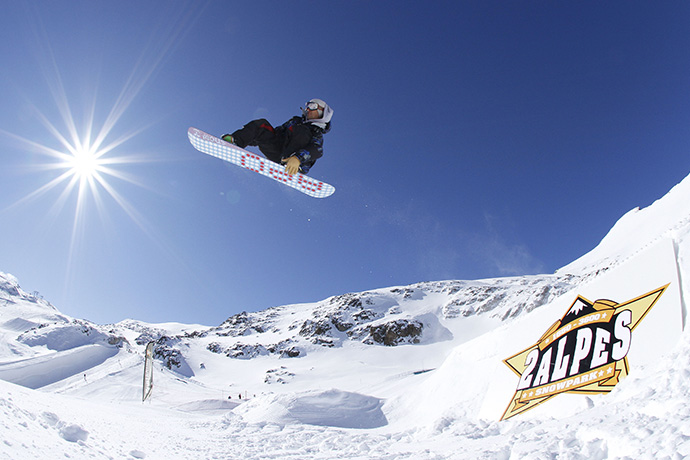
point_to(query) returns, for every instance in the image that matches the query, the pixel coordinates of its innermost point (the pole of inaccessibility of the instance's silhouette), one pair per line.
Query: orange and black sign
(583, 352)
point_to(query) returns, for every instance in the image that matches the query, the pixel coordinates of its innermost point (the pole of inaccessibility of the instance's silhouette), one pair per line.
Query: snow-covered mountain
(403, 372)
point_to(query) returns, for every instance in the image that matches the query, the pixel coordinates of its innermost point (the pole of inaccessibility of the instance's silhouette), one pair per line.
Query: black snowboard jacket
(303, 140)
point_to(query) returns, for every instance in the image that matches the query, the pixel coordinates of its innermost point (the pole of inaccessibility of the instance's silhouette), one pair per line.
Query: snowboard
(219, 148)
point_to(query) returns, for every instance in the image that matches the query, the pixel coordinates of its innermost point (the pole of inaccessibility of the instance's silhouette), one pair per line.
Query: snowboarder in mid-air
(297, 143)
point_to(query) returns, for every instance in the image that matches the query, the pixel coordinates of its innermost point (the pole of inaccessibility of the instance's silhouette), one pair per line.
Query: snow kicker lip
(590, 342)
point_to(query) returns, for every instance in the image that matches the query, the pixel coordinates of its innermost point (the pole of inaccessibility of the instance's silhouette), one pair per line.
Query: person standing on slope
(297, 143)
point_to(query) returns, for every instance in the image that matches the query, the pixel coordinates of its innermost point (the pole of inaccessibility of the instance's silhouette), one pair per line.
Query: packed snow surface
(407, 372)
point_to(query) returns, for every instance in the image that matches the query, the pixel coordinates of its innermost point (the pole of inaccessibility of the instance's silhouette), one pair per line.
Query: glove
(292, 165)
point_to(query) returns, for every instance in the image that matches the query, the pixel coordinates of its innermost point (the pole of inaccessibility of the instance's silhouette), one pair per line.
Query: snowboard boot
(228, 138)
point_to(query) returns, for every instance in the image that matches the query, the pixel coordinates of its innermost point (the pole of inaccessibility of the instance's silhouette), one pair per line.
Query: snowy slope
(668, 217)
(403, 372)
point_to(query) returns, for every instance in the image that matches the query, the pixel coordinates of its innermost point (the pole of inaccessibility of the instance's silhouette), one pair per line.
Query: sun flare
(84, 162)
(86, 169)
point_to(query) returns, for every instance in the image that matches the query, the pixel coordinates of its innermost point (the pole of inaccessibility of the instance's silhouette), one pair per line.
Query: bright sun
(84, 162)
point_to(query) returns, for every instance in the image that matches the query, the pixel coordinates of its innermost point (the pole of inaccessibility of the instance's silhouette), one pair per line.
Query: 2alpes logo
(583, 352)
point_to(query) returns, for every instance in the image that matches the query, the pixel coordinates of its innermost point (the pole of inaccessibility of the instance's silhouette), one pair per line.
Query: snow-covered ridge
(396, 316)
(37, 335)
(12, 293)
(638, 229)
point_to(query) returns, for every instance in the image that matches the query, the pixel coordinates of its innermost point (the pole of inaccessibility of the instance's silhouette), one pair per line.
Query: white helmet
(324, 110)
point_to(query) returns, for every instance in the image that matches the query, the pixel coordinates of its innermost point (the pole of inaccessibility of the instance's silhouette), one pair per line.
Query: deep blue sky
(470, 140)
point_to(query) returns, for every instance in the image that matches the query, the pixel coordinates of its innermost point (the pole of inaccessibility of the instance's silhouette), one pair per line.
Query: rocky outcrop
(391, 333)
(284, 349)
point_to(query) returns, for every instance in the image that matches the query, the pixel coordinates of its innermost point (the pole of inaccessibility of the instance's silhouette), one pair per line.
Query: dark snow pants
(260, 133)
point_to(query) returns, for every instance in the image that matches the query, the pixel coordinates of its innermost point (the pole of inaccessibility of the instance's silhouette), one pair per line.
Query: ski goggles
(312, 106)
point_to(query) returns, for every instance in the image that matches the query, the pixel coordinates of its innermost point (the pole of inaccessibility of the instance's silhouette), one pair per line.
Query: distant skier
(297, 143)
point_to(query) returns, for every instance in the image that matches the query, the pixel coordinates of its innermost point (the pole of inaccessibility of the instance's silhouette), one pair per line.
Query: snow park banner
(583, 352)
(584, 343)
